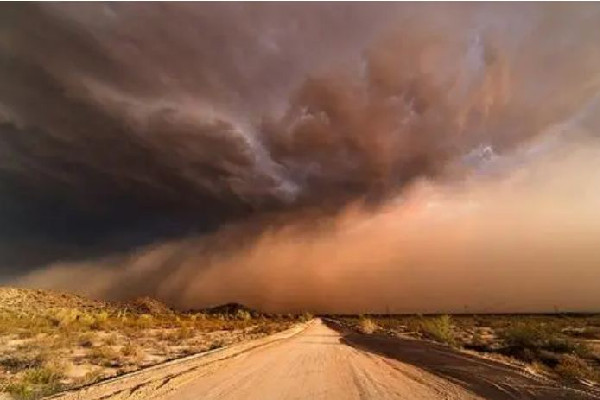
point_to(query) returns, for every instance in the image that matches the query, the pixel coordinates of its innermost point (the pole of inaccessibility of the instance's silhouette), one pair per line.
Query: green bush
(43, 375)
(366, 325)
(36, 383)
(440, 329)
(528, 335)
(537, 336)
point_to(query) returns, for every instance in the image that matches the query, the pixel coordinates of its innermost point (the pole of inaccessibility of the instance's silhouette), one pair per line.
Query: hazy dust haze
(330, 157)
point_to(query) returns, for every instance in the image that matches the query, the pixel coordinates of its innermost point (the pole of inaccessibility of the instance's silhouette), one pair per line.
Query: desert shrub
(122, 315)
(44, 375)
(243, 315)
(111, 339)
(86, 320)
(163, 335)
(413, 324)
(144, 321)
(366, 325)
(132, 350)
(202, 316)
(535, 341)
(16, 362)
(24, 323)
(86, 339)
(227, 327)
(176, 335)
(538, 336)
(132, 332)
(100, 320)
(188, 351)
(306, 316)
(266, 328)
(216, 344)
(139, 322)
(21, 390)
(161, 348)
(90, 377)
(573, 368)
(184, 333)
(567, 345)
(440, 329)
(36, 383)
(27, 334)
(103, 355)
(477, 339)
(528, 335)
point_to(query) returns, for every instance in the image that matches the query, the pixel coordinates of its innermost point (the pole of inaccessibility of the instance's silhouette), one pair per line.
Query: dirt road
(315, 363)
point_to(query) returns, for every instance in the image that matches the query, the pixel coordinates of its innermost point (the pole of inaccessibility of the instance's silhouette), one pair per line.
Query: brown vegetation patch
(51, 341)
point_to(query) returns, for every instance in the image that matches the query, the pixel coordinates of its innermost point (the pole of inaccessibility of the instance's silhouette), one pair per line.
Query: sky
(330, 157)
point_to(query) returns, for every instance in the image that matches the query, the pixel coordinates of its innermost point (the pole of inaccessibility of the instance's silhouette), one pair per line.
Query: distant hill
(229, 308)
(40, 300)
(148, 305)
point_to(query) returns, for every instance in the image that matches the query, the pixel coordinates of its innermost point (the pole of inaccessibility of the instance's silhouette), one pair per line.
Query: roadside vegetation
(53, 341)
(563, 346)
(366, 325)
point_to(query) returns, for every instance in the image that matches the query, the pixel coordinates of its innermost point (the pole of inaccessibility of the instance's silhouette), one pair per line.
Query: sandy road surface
(315, 363)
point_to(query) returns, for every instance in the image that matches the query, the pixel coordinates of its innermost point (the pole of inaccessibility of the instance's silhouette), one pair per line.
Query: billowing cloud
(172, 148)
(511, 242)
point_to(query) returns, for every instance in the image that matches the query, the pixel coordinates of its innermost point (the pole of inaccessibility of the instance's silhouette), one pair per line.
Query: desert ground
(321, 361)
(559, 346)
(51, 341)
(57, 345)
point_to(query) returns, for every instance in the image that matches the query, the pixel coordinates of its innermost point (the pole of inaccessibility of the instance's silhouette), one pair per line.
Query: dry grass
(131, 350)
(100, 340)
(105, 356)
(366, 325)
(36, 382)
(573, 368)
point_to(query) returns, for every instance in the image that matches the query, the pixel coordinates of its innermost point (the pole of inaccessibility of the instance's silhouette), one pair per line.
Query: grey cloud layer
(124, 123)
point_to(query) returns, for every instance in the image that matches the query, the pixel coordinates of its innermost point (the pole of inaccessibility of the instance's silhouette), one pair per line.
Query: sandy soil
(312, 362)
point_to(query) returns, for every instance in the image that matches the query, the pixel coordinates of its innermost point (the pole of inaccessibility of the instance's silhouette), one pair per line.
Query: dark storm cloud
(140, 118)
(124, 123)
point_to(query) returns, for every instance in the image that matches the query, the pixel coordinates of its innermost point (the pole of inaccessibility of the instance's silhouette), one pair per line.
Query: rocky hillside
(40, 301)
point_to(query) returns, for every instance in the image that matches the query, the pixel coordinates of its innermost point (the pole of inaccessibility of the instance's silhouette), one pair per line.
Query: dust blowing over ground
(345, 157)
